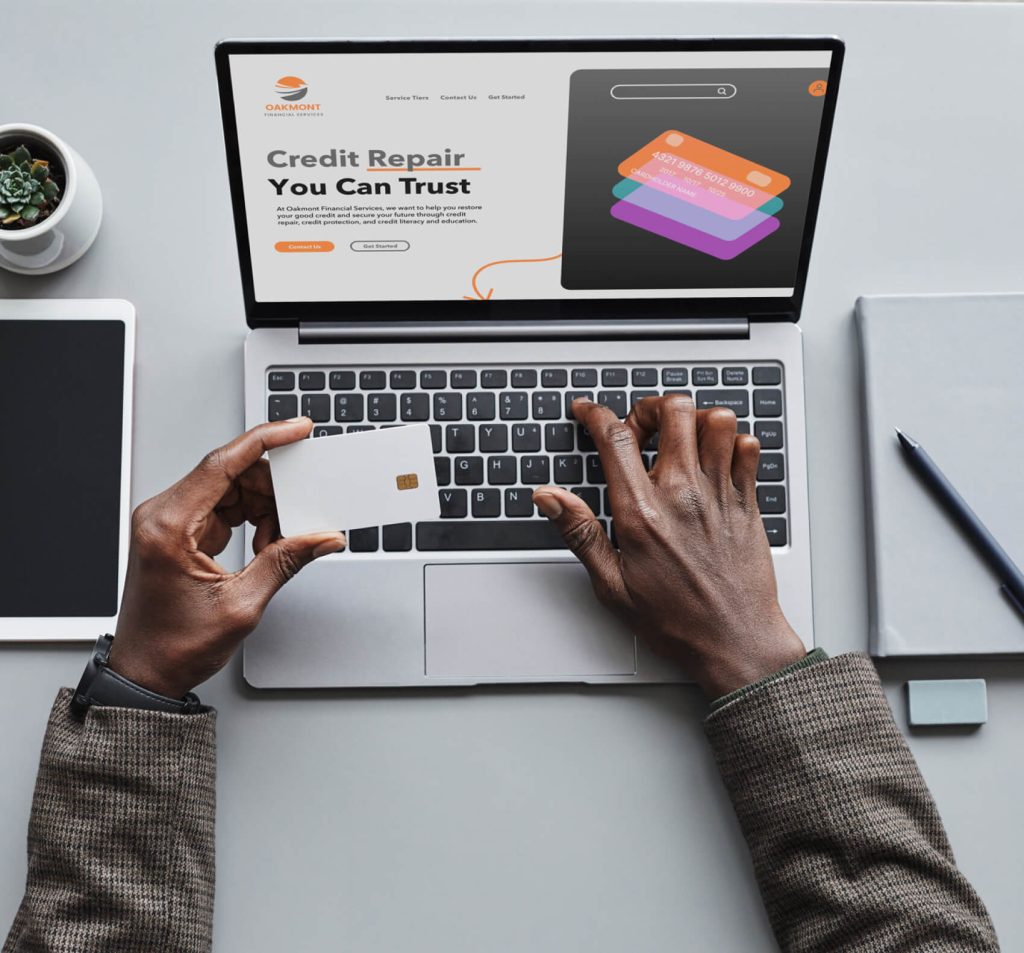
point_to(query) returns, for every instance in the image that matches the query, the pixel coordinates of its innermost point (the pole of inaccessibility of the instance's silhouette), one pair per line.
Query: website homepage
(451, 176)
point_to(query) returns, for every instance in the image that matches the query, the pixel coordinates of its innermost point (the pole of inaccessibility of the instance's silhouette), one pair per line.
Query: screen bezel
(83, 628)
(290, 313)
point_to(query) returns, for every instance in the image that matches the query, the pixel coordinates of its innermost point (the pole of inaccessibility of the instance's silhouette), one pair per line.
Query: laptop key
(526, 438)
(568, 469)
(734, 376)
(614, 400)
(742, 426)
(584, 377)
(433, 380)
(737, 401)
(571, 395)
(463, 379)
(460, 438)
(435, 437)
(547, 405)
(486, 503)
(501, 470)
(705, 376)
(381, 407)
(359, 428)
(769, 432)
(447, 406)
(595, 472)
(373, 380)
(365, 540)
(469, 471)
(767, 403)
(645, 377)
(637, 395)
(518, 502)
(312, 380)
(348, 407)
(535, 470)
(614, 377)
(524, 377)
(559, 437)
(415, 407)
(343, 380)
(674, 377)
(771, 499)
(402, 380)
(554, 377)
(513, 405)
(281, 380)
(584, 440)
(771, 467)
(282, 407)
(767, 375)
(775, 530)
(473, 536)
(494, 378)
(590, 495)
(317, 407)
(453, 503)
(397, 537)
(327, 431)
(443, 470)
(493, 438)
(479, 405)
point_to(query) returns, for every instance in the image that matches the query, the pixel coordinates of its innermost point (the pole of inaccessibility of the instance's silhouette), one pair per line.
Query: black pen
(997, 557)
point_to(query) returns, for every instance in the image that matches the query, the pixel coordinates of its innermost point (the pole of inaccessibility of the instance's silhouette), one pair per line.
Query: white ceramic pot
(65, 235)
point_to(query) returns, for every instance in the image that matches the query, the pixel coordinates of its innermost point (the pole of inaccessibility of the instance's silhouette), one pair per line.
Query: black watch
(102, 686)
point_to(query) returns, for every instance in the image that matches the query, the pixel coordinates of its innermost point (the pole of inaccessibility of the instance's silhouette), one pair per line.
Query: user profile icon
(817, 88)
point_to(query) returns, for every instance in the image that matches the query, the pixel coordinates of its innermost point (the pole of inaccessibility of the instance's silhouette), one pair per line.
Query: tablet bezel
(82, 628)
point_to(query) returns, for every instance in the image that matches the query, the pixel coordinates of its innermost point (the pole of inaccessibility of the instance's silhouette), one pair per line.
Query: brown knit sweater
(848, 848)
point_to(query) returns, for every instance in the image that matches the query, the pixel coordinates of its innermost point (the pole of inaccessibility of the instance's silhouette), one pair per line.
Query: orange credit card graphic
(689, 159)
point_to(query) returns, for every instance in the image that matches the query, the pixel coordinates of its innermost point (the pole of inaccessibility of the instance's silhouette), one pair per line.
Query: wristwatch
(100, 685)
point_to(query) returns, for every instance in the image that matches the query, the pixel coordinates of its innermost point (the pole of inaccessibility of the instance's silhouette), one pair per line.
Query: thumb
(277, 562)
(585, 536)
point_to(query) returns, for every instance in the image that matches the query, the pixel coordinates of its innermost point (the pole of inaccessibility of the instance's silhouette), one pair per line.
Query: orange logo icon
(817, 88)
(291, 88)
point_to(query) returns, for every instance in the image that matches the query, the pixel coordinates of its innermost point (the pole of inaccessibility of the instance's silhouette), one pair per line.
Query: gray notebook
(949, 371)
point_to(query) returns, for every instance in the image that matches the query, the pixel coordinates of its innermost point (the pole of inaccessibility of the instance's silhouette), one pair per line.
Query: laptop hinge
(350, 332)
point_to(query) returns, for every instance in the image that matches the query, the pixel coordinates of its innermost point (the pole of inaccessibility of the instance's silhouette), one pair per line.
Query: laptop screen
(524, 175)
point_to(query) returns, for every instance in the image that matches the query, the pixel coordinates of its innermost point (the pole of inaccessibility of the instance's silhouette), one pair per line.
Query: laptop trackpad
(520, 619)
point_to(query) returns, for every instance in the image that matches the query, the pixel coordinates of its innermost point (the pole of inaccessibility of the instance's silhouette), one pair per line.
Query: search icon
(722, 91)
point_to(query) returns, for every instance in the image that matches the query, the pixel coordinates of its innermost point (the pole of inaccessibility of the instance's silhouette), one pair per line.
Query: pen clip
(1014, 601)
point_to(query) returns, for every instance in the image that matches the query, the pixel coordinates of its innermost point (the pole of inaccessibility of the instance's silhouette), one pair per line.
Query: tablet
(65, 441)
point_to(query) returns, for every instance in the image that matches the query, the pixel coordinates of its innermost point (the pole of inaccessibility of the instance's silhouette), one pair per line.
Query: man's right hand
(693, 573)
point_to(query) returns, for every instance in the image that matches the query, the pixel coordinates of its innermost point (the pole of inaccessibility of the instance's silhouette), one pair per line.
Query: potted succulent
(50, 203)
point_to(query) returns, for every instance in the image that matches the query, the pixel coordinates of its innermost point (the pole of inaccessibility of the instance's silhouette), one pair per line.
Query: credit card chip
(407, 481)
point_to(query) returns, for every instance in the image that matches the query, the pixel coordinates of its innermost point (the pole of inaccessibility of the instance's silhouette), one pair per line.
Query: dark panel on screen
(60, 474)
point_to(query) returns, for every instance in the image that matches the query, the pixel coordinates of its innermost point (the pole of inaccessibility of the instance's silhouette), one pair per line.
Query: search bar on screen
(673, 91)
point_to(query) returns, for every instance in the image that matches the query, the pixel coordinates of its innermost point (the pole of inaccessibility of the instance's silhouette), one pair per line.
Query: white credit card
(354, 480)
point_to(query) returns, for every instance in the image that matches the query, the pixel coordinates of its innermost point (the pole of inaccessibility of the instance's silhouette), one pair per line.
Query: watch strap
(100, 685)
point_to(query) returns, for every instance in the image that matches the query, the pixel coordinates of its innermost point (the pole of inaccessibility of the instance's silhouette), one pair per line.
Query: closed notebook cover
(949, 371)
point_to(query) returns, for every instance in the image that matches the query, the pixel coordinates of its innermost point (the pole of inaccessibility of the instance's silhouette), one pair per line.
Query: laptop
(469, 234)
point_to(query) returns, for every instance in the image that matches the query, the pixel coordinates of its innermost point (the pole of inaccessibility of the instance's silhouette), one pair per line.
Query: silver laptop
(470, 233)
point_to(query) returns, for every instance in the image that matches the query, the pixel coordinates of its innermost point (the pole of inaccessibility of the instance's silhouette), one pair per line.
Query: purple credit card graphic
(692, 237)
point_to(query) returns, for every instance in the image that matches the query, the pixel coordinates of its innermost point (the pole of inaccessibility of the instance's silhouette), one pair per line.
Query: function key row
(526, 377)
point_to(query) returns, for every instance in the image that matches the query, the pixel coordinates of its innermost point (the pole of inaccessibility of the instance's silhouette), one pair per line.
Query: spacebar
(501, 534)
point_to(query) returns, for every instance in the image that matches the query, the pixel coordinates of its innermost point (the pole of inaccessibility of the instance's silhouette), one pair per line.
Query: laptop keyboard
(499, 432)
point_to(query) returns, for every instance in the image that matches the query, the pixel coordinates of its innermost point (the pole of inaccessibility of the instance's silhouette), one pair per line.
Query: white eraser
(947, 701)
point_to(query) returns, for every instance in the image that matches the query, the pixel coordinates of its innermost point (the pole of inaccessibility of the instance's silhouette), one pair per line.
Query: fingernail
(295, 420)
(330, 546)
(548, 505)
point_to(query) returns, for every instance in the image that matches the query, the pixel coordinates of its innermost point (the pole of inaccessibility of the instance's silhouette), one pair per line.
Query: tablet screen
(60, 482)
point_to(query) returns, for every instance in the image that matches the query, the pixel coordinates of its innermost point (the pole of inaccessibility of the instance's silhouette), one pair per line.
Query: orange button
(304, 246)
(817, 88)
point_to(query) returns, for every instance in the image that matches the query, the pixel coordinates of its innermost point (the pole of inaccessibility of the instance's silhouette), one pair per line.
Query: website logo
(291, 88)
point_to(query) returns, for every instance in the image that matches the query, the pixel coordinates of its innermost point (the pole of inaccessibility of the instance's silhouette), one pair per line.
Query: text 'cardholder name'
(351, 481)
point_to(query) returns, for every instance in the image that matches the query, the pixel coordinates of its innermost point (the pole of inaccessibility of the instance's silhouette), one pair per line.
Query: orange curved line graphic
(479, 296)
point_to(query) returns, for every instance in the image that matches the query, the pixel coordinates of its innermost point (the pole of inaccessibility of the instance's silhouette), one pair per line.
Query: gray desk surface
(518, 819)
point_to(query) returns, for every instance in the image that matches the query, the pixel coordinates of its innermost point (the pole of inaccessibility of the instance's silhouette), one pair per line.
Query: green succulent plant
(27, 192)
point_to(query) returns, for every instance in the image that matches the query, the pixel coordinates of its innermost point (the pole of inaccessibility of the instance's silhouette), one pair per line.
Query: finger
(267, 530)
(278, 562)
(585, 536)
(746, 456)
(256, 480)
(716, 434)
(628, 484)
(639, 423)
(219, 469)
(215, 536)
(675, 419)
(248, 509)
